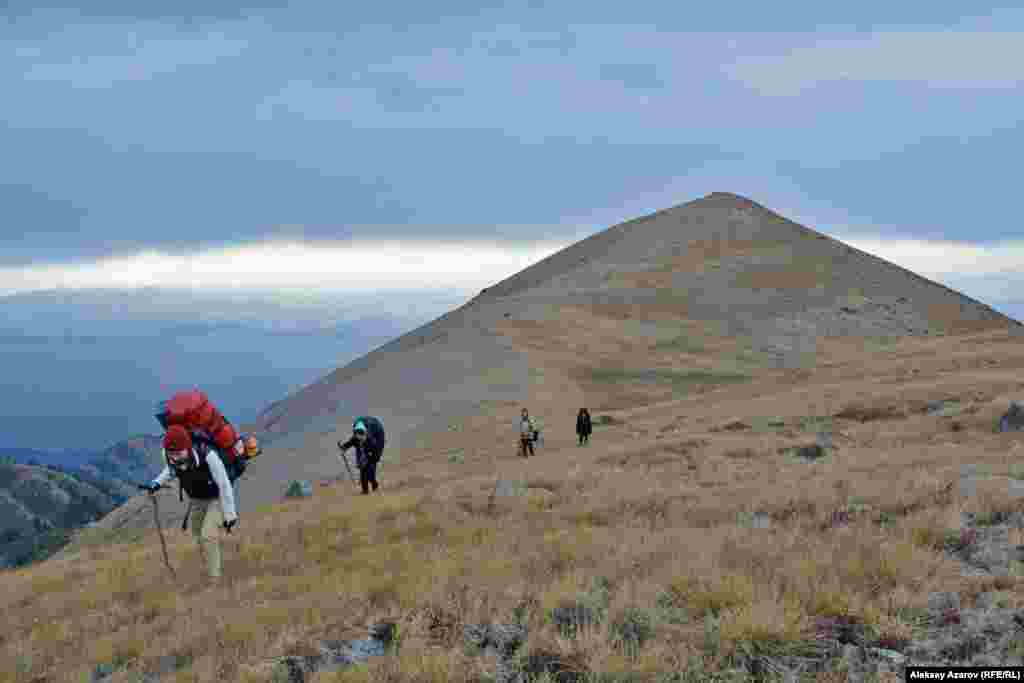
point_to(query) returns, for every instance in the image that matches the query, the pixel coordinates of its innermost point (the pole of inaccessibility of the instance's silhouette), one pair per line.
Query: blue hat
(360, 427)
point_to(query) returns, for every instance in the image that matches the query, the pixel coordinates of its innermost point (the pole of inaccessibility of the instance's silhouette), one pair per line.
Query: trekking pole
(348, 467)
(160, 530)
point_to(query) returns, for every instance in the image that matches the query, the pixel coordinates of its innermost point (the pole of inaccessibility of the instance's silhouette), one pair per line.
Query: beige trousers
(207, 527)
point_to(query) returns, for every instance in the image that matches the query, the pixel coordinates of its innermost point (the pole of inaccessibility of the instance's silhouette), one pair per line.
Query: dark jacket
(207, 480)
(366, 452)
(583, 425)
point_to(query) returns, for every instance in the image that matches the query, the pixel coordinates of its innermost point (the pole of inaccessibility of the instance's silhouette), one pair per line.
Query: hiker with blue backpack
(368, 439)
(207, 457)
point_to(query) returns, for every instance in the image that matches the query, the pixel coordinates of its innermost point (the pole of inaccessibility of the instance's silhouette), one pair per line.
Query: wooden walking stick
(160, 530)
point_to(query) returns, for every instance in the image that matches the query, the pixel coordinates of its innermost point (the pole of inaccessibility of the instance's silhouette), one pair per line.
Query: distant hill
(40, 505)
(131, 461)
(45, 496)
(34, 456)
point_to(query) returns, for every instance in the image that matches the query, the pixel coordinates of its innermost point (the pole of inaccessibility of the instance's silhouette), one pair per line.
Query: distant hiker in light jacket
(583, 426)
(211, 495)
(368, 454)
(526, 434)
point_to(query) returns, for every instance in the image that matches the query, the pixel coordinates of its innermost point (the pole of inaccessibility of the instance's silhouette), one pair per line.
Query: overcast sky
(146, 147)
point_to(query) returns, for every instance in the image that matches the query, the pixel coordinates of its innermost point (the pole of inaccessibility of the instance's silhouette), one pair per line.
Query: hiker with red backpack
(207, 457)
(368, 439)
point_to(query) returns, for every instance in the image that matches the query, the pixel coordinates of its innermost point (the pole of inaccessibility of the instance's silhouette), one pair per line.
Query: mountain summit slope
(704, 293)
(722, 258)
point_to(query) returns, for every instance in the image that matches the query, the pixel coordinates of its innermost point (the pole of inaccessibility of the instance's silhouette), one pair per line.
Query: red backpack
(193, 411)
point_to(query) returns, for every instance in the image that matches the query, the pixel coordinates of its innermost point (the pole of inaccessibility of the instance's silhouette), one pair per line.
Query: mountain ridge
(40, 506)
(44, 505)
(699, 212)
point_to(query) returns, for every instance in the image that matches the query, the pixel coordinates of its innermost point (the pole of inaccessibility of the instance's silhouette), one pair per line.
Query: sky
(131, 131)
(386, 146)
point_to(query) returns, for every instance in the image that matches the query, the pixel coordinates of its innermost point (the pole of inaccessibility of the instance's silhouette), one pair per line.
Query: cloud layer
(296, 271)
(126, 128)
(961, 60)
(358, 268)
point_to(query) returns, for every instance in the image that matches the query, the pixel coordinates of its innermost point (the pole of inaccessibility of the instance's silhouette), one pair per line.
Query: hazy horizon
(79, 375)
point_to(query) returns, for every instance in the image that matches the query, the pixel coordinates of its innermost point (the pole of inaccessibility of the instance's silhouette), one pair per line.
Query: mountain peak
(722, 259)
(729, 195)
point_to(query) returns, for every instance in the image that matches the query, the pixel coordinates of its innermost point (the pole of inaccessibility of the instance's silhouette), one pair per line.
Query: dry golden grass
(652, 505)
(781, 278)
(702, 254)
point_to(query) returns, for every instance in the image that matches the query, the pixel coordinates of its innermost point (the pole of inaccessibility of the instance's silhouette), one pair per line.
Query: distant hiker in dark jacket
(204, 478)
(368, 454)
(527, 433)
(583, 426)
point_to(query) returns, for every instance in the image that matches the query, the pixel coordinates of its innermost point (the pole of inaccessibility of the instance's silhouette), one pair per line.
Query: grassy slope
(656, 505)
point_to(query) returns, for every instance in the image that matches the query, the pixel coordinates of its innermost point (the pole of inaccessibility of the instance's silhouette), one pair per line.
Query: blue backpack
(374, 431)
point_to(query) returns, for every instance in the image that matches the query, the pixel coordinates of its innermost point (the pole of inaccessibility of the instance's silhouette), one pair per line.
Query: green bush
(298, 489)
(712, 635)
(684, 342)
(632, 629)
(589, 609)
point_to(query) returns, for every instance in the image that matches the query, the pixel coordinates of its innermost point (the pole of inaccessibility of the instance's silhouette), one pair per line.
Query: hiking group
(204, 452)
(530, 434)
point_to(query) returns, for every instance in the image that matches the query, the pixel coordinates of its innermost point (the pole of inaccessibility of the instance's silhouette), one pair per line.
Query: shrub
(589, 609)
(712, 634)
(632, 629)
(298, 489)
(992, 518)
(668, 612)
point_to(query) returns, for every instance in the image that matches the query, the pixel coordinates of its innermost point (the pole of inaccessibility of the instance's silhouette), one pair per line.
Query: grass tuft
(681, 381)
